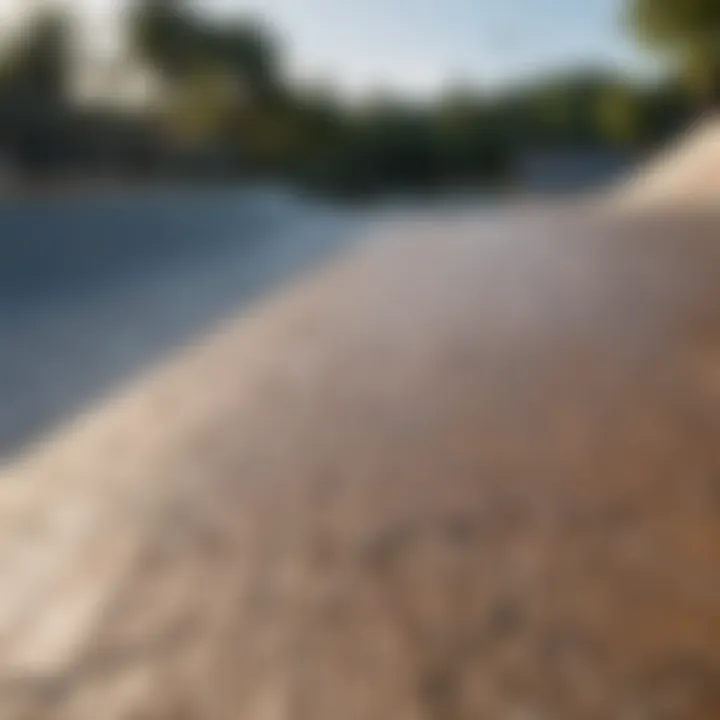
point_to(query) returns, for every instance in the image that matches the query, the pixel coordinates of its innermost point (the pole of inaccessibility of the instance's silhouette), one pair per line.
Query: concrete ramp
(684, 175)
(471, 472)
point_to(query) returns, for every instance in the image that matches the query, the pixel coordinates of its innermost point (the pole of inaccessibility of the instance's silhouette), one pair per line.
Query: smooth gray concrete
(95, 291)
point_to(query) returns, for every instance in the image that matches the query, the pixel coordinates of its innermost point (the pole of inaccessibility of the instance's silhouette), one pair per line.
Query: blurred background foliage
(218, 104)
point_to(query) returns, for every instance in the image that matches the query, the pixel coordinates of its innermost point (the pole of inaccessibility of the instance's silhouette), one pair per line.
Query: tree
(34, 81)
(222, 79)
(165, 35)
(619, 114)
(248, 55)
(181, 45)
(37, 65)
(688, 32)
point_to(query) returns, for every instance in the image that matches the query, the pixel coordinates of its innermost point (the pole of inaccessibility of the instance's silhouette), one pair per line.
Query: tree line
(223, 107)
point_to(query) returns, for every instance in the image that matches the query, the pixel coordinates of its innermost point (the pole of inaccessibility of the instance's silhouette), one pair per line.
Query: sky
(418, 47)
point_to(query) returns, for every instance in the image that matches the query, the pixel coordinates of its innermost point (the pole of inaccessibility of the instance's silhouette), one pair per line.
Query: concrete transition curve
(471, 471)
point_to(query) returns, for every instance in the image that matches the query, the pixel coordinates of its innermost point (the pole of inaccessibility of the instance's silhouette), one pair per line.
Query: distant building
(561, 171)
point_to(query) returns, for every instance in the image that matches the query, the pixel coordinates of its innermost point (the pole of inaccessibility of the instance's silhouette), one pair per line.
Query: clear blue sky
(421, 45)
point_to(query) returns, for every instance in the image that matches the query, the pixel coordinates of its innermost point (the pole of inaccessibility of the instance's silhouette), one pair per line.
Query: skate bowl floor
(470, 470)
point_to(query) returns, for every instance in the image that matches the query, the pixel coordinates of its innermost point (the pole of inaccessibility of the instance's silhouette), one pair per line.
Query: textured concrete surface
(473, 472)
(684, 174)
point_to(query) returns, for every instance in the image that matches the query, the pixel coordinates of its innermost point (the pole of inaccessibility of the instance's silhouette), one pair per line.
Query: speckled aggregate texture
(472, 471)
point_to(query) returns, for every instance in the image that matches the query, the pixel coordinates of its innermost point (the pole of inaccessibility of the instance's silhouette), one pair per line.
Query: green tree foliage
(225, 102)
(172, 37)
(165, 35)
(619, 115)
(688, 32)
(34, 80)
(37, 65)
(222, 80)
